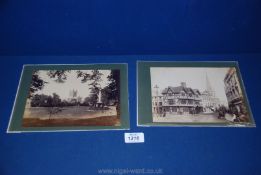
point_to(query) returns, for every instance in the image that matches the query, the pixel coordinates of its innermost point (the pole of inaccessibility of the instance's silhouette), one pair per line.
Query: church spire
(208, 86)
(156, 90)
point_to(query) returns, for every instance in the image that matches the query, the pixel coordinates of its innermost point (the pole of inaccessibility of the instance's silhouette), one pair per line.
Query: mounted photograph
(62, 98)
(198, 96)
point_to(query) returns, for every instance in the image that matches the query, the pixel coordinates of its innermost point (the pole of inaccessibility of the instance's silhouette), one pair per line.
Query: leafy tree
(112, 90)
(60, 76)
(53, 104)
(104, 97)
(110, 93)
(94, 79)
(86, 101)
(36, 84)
(39, 100)
(36, 101)
(65, 103)
(93, 96)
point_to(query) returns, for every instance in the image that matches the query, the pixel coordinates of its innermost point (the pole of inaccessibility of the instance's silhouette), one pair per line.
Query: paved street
(198, 118)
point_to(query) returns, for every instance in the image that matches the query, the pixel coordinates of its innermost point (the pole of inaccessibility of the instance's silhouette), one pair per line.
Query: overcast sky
(72, 82)
(194, 78)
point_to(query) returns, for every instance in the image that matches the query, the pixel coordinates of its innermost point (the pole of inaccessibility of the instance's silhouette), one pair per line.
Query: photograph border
(144, 103)
(15, 121)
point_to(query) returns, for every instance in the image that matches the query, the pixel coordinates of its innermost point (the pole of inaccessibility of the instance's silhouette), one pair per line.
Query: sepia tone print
(197, 95)
(73, 98)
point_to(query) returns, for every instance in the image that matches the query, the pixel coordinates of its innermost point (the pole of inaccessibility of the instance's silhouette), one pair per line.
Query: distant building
(209, 100)
(233, 91)
(73, 97)
(177, 100)
(157, 101)
(73, 93)
(157, 104)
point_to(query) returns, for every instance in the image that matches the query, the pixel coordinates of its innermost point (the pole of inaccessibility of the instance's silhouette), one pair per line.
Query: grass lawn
(70, 116)
(99, 121)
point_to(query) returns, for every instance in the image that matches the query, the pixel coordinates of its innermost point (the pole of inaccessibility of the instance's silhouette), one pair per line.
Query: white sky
(194, 77)
(72, 82)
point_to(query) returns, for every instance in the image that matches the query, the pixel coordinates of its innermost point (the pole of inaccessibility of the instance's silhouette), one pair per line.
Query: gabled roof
(178, 89)
(197, 91)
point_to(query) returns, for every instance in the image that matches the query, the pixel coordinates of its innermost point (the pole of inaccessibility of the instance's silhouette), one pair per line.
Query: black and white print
(73, 98)
(197, 95)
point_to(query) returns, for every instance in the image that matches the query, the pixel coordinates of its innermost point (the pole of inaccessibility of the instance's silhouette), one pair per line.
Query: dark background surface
(201, 30)
(129, 27)
(176, 150)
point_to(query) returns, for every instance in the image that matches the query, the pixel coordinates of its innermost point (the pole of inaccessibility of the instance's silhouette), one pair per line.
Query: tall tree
(94, 79)
(113, 88)
(94, 95)
(36, 84)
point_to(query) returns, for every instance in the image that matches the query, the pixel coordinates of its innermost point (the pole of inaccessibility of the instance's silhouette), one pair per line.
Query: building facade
(209, 100)
(177, 100)
(234, 92)
(157, 102)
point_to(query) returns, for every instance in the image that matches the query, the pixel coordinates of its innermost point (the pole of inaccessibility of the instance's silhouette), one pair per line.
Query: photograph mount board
(192, 94)
(71, 98)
